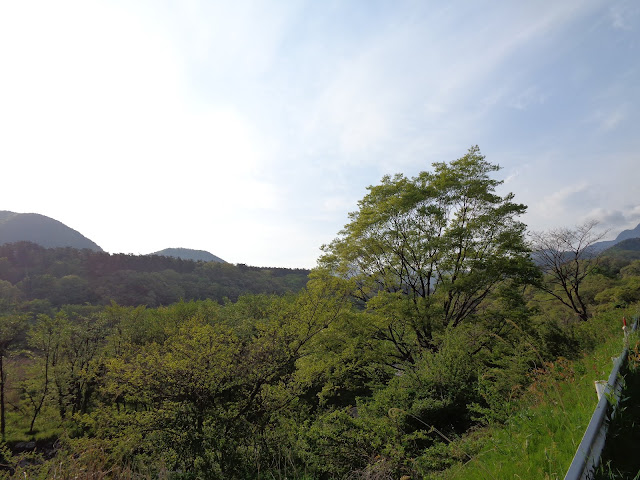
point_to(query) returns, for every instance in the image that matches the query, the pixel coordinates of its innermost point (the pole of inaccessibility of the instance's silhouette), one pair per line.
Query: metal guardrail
(587, 457)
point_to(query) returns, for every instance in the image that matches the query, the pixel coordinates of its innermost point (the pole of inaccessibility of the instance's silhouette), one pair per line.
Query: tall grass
(619, 457)
(540, 438)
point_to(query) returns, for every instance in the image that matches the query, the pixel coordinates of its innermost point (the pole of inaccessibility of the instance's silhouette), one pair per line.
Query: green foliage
(69, 276)
(626, 292)
(631, 270)
(545, 424)
(10, 296)
(426, 252)
(337, 444)
(11, 332)
(626, 251)
(211, 395)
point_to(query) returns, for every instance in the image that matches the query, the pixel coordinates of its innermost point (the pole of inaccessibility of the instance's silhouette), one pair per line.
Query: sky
(250, 129)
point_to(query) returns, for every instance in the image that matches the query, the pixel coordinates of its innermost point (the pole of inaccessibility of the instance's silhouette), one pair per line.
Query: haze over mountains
(45, 231)
(50, 233)
(624, 235)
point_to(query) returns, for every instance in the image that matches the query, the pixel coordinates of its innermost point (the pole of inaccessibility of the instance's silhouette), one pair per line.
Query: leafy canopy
(425, 252)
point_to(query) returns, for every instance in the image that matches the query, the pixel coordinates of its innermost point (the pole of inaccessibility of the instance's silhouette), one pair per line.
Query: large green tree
(426, 252)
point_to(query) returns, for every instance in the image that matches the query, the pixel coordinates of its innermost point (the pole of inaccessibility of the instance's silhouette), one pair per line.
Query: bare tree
(567, 256)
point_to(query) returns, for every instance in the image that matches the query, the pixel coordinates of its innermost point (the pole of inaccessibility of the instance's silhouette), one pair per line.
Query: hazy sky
(251, 129)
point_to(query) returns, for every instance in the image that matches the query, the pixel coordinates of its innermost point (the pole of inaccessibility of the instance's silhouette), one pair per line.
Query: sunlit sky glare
(251, 128)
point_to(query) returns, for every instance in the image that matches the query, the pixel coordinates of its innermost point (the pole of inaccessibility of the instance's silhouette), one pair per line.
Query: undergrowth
(540, 438)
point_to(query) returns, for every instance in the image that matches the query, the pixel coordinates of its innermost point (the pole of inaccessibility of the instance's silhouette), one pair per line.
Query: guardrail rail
(587, 457)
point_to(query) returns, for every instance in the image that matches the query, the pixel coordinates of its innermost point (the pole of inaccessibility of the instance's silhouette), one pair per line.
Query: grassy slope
(619, 458)
(544, 431)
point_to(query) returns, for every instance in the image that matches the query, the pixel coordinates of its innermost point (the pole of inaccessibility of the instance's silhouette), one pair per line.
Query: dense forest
(424, 319)
(52, 277)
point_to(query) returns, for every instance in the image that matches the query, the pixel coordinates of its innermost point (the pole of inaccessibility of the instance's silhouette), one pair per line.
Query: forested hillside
(60, 276)
(425, 325)
(188, 254)
(624, 251)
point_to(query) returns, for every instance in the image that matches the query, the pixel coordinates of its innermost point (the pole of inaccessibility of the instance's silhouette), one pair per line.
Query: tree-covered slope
(626, 250)
(189, 254)
(63, 276)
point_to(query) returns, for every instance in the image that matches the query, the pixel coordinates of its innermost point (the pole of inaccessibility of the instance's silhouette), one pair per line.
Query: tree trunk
(38, 407)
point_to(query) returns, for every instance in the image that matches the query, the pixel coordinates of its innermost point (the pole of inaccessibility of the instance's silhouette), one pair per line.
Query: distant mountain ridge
(624, 235)
(50, 233)
(42, 230)
(189, 254)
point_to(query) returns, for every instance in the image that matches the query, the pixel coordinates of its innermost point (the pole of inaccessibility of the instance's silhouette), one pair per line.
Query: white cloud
(239, 39)
(511, 177)
(606, 217)
(609, 119)
(615, 220)
(553, 205)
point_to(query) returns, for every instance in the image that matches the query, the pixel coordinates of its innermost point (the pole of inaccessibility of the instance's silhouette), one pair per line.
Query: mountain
(189, 254)
(45, 231)
(624, 235)
(626, 250)
(630, 245)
